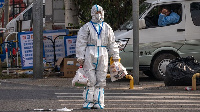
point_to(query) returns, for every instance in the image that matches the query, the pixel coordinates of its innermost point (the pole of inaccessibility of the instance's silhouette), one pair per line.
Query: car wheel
(159, 64)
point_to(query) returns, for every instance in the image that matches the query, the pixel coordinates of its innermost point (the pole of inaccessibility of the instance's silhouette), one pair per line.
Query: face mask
(98, 17)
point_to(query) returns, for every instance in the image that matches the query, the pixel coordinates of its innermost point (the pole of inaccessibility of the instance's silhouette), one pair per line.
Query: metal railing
(6, 47)
(128, 77)
(194, 81)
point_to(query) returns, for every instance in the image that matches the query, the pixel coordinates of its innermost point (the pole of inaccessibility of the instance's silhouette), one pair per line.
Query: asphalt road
(16, 97)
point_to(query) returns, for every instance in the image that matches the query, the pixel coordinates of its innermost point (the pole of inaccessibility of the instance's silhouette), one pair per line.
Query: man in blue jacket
(167, 17)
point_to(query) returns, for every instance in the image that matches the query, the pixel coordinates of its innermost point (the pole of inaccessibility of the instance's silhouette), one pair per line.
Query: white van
(159, 45)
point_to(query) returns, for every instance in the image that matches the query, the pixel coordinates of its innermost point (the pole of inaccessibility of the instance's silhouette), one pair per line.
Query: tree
(116, 11)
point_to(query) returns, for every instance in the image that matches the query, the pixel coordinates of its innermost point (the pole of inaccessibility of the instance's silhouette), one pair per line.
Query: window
(27, 15)
(152, 17)
(128, 25)
(143, 7)
(43, 11)
(195, 13)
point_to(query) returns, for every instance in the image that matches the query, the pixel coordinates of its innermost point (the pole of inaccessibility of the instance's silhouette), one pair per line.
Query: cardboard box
(68, 66)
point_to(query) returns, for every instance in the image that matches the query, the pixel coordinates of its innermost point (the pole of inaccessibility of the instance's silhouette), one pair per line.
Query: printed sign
(26, 49)
(49, 38)
(26, 46)
(70, 45)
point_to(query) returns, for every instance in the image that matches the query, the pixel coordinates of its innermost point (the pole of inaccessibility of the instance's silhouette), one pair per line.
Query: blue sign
(26, 46)
(1, 3)
(70, 45)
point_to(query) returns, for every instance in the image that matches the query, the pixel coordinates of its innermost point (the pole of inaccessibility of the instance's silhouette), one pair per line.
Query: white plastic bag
(117, 71)
(80, 77)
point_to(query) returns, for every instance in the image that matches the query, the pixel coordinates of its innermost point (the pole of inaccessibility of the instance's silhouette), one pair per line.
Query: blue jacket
(165, 20)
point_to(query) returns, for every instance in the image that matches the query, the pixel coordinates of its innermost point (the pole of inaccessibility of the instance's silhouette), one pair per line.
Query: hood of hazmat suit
(97, 18)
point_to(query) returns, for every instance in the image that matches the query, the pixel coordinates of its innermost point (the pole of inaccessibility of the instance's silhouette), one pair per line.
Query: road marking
(143, 104)
(195, 101)
(153, 108)
(137, 97)
(176, 94)
(138, 101)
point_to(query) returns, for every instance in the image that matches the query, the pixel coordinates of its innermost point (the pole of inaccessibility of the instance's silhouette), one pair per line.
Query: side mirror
(129, 26)
(142, 23)
(21, 17)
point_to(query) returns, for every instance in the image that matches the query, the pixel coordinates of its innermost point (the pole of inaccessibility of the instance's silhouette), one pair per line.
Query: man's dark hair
(167, 7)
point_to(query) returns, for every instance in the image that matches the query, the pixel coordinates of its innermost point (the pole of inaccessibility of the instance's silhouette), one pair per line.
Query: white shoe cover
(98, 106)
(88, 105)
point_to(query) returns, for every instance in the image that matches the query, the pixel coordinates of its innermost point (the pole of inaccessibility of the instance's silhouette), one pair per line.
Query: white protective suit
(94, 40)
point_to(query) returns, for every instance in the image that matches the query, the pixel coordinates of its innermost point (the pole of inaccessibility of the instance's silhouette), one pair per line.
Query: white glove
(80, 61)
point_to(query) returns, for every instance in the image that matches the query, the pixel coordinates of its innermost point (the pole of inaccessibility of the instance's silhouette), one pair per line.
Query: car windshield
(142, 9)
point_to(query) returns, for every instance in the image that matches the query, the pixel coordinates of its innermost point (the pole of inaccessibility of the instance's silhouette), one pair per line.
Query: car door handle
(180, 30)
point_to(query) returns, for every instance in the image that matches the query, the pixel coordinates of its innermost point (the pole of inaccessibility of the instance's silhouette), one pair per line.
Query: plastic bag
(117, 71)
(80, 77)
(179, 72)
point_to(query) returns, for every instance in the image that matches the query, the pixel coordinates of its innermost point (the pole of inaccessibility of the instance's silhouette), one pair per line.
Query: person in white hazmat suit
(95, 40)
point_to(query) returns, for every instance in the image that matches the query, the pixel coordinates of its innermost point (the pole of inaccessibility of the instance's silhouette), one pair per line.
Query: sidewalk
(145, 83)
(67, 82)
